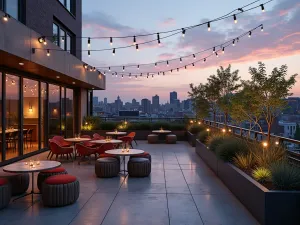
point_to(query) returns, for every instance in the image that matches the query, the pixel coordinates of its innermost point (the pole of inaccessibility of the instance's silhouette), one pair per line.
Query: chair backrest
(85, 136)
(126, 139)
(131, 134)
(54, 146)
(60, 140)
(105, 147)
(81, 149)
(98, 136)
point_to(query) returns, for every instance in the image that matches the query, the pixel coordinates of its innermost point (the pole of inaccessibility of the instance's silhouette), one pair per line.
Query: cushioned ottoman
(105, 155)
(107, 167)
(152, 138)
(19, 182)
(42, 176)
(143, 155)
(5, 193)
(139, 167)
(60, 190)
(171, 139)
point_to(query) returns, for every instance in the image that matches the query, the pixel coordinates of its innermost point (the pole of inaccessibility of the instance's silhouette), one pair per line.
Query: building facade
(42, 77)
(146, 105)
(173, 97)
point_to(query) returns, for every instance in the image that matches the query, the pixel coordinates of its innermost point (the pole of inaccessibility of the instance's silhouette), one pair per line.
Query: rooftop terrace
(180, 190)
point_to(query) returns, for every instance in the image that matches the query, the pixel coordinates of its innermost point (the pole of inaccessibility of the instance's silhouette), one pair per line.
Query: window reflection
(54, 110)
(69, 112)
(31, 115)
(12, 8)
(43, 91)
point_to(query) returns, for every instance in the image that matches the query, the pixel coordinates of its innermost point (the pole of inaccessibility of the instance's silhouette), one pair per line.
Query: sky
(278, 44)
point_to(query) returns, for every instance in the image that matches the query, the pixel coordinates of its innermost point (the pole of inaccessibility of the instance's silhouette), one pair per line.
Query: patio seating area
(181, 189)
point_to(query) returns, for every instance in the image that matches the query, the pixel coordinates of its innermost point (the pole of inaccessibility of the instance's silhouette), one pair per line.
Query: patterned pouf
(60, 190)
(139, 167)
(19, 182)
(48, 173)
(107, 167)
(5, 193)
(171, 139)
(152, 138)
(143, 155)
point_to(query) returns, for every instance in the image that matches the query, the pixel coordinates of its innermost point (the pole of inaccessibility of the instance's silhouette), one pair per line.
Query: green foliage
(229, 148)
(244, 161)
(261, 174)
(215, 140)
(199, 100)
(91, 123)
(285, 176)
(265, 157)
(195, 128)
(202, 136)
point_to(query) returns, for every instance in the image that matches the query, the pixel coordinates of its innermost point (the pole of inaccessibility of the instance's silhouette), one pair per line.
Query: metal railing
(147, 119)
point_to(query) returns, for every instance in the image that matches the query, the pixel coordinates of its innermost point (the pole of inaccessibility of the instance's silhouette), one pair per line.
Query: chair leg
(135, 142)
(56, 157)
(67, 156)
(51, 156)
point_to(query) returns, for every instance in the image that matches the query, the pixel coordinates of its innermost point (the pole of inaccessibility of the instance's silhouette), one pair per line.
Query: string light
(163, 73)
(48, 52)
(89, 42)
(155, 64)
(111, 41)
(177, 69)
(89, 53)
(262, 28)
(158, 39)
(137, 47)
(85, 66)
(234, 17)
(233, 42)
(194, 56)
(41, 39)
(249, 34)
(180, 60)
(138, 67)
(217, 54)
(183, 32)
(214, 49)
(193, 64)
(184, 67)
(167, 63)
(114, 51)
(130, 76)
(6, 17)
(123, 68)
(208, 26)
(122, 76)
(109, 69)
(204, 60)
(223, 50)
(135, 76)
(134, 40)
(262, 7)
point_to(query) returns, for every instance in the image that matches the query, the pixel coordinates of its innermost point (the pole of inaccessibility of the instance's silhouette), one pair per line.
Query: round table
(113, 141)
(116, 134)
(21, 167)
(76, 140)
(161, 134)
(124, 153)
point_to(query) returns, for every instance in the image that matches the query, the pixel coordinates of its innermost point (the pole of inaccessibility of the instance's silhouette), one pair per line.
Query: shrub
(177, 126)
(244, 161)
(202, 136)
(229, 148)
(285, 176)
(91, 123)
(195, 128)
(215, 140)
(108, 125)
(261, 174)
(265, 157)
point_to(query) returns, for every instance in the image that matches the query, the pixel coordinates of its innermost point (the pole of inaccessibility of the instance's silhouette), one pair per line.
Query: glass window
(69, 4)
(30, 116)
(62, 39)
(44, 143)
(55, 34)
(12, 132)
(69, 113)
(54, 110)
(12, 8)
(69, 44)
(63, 114)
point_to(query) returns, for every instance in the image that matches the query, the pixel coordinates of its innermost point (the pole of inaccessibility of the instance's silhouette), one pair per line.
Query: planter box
(140, 134)
(268, 207)
(191, 139)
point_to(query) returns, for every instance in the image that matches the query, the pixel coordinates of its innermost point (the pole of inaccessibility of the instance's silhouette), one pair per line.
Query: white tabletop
(113, 141)
(77, 139)
(125, 153)
(116, 133)
(21, 167)
(161, 131)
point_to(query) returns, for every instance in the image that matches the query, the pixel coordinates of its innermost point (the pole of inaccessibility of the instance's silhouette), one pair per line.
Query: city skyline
(277, 45)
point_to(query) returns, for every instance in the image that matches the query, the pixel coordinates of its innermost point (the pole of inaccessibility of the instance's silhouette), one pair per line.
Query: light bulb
(180, 60)
(89, 42)
(261, 28)
(137, 47)
(183, 32)
(208, 26)
(89, 53)
(234, 17)
(262, 7)
(114, 51)
(111, 41)
(249, 34)
(134, 40)
(194, 56)
(123, 68)
(167, 63)
(48, 52)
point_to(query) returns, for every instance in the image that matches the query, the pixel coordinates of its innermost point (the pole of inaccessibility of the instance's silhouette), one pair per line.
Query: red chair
(61, 141)
(126, 140)
(87, 143)
(85, 151)
(105, 147)
(57, 150)
(97, 137)
(132, 135)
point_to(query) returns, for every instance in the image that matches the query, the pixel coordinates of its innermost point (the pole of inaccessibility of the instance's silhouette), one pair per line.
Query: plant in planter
(285, 176)
(244, 161)
(195, 128)
(214, 140)
(230, 147)
(202, 136)
(261, 174)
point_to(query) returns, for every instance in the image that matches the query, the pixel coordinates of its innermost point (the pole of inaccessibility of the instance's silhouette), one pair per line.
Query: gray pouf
(5, 193)
(139, 167)
(60, 190)
(143, 155)
(107, 167)
(19, 182)
(171, 139)
(42, 176)
(152, 138)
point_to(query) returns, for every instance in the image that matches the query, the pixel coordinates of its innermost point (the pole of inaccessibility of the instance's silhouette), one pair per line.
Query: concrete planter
(140, 134)
(191, 139)
(268, 207)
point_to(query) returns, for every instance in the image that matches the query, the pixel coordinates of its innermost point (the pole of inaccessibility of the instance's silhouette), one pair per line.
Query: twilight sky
(278, 44)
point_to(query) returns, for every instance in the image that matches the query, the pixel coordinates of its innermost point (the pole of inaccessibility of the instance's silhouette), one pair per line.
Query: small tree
(199, 101)
(212, 94)
(270, 91)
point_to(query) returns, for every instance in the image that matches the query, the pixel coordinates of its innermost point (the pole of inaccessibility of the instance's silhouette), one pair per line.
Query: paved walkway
(181, 190)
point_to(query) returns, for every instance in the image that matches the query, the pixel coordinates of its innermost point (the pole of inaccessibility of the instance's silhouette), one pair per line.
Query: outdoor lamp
(223, 130)
(265, 144)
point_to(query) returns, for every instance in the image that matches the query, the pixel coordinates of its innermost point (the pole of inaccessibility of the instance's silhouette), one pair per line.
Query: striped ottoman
(152, 138)
(60, 190)
(171, 139)
(19, 182)
(107, 167)
(139, 167)
(5, 193)
(42, 176)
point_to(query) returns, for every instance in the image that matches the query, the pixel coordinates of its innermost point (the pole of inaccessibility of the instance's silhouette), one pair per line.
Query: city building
(155, 104)
(173, 97)
(42, 77)
(146, 106)
(95, 100)
(105, 101)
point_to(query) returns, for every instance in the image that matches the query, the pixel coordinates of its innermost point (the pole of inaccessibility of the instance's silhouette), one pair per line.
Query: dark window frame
(72, 10)
(67, 33)
(21, 10)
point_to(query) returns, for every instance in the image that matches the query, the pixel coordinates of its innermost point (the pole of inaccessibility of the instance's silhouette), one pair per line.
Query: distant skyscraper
(146, 105)
(155, 103)
(173, 97)
(105, 101)
(118, 104)
(95, 100)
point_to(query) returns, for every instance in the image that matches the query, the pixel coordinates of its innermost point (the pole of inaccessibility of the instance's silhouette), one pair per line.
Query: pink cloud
(168, 22)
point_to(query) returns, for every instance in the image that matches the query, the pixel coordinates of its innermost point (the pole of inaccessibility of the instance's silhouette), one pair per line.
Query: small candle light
(38, 162)
(26, 163)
